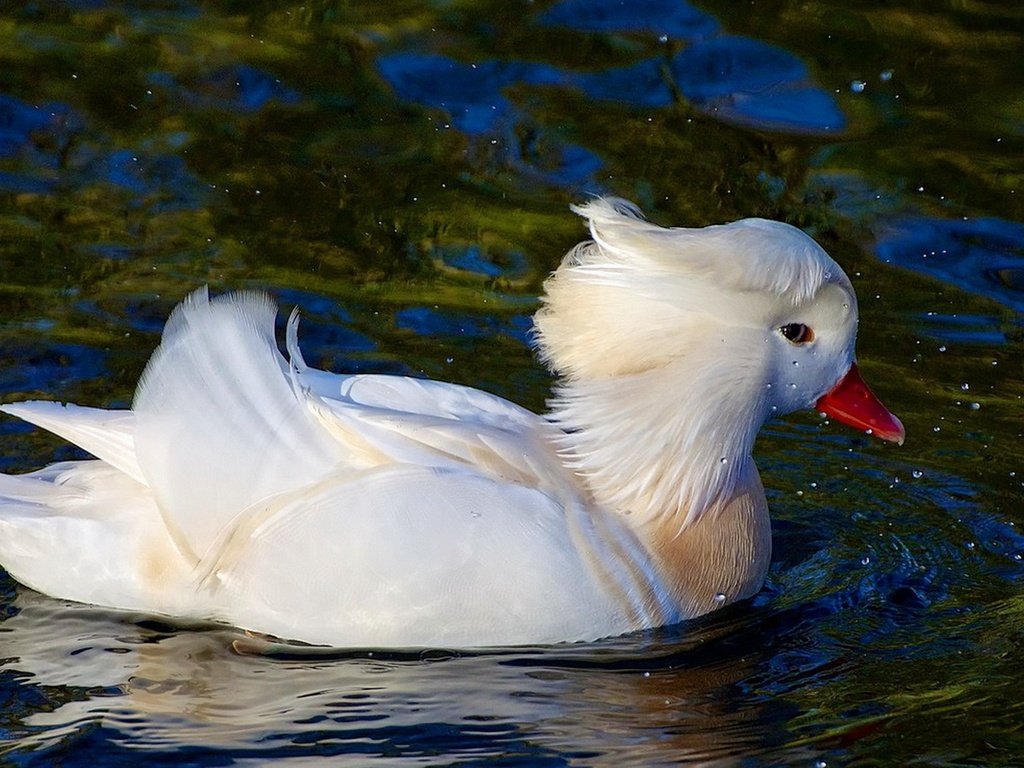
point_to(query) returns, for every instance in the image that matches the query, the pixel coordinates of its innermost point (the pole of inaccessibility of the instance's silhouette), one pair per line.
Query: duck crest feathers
(749, 255)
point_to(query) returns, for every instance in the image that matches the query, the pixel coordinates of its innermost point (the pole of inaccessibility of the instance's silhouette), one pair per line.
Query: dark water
(403, 173)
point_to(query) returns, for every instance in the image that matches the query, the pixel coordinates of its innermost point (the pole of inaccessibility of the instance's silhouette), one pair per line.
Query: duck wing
(224, 423)
(218, 424)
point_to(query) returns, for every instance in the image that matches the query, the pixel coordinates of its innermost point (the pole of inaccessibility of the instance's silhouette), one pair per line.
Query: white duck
(373, 510)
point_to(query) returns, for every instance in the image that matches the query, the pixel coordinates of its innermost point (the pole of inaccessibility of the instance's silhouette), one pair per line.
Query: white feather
(218, 425)
(107, 435)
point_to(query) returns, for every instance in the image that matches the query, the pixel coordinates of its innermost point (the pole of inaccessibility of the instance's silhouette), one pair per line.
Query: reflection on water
(733, 78)
(657, 17)
(404, 180)
(801, 676)
(144, 687)
(854, 638)
(985, 256)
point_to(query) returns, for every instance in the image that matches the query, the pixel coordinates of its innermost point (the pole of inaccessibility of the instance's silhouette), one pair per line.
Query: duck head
(685, 341)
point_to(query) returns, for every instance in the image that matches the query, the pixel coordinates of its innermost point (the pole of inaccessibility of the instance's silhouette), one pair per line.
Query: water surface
(404, 176)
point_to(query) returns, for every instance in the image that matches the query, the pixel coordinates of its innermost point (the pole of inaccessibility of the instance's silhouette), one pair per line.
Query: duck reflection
(82, 674)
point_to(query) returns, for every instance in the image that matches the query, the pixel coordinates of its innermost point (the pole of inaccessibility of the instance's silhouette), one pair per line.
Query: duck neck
(673, 455)
(722, 556)
(656, 445)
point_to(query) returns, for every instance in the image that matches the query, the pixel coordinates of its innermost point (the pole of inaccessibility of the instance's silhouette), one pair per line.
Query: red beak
(852, 403)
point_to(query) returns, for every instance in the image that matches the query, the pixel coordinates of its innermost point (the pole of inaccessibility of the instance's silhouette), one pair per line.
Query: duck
(364, 510)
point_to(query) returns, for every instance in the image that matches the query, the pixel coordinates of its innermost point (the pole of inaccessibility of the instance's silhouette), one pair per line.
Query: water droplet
(792, 386)
(942, 348)
(936, 429)
(796, 363)
(449, 360)
(865, 560)
(965, 386)
(720, 598)
(975, 406)
(885, 75)
(858, 86)
(723, 460)
(970, 545)
(918, 474)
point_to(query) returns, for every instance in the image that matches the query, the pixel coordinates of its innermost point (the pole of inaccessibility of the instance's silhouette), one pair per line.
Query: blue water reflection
(427, 321)
(36, 136)
(671, 18)
(25, 183)
(47, 140)
(735, 79)
(469, 93)
(162, 181)
(20, 123)
(963, 328)
(238, 88)
(46, 368)
(640, 85)
(473, 259)
(984, 256)
(752, 83)
(325, 329)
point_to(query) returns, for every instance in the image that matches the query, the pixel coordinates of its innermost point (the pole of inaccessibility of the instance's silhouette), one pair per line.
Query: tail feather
(85, 531)
(107, 435)
(219, 425)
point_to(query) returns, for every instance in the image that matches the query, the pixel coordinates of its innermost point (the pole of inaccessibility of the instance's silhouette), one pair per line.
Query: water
(403, 176)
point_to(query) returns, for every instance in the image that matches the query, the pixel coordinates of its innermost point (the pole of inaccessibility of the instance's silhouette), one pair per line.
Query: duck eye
(797, 333)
